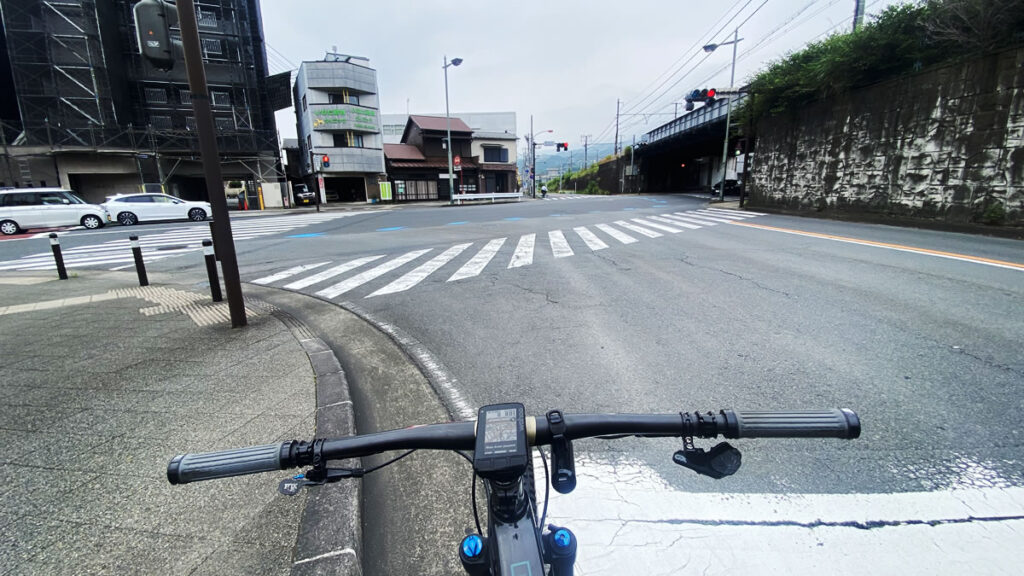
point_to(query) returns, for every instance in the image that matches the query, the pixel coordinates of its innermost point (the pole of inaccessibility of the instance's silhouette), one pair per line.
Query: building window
(353, 99)
(334, 98)
(303, 102)
(348, 140)
(309, 142)
(495, 154)
(156, 96)
(212, 47)
(220, 98)
(206, 18)
(190, 123)
(224, 123)
(161, 122)
(185, 95)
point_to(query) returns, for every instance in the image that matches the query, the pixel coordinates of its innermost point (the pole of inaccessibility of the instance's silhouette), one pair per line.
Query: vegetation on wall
(902, 39)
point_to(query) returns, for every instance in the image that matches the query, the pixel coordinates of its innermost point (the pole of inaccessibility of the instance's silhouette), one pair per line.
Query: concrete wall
(946, 144)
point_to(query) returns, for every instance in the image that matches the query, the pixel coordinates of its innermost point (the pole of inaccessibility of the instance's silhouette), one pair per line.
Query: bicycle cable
(476, 513)
(547, 488)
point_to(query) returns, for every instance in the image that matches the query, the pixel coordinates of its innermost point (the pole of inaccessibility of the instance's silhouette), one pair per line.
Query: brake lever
(721, 461)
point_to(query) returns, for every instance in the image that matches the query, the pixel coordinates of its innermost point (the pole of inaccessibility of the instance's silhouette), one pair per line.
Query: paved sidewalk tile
(97, 397)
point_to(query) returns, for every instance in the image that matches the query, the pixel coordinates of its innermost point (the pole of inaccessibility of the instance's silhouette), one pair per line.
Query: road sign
(458, 161)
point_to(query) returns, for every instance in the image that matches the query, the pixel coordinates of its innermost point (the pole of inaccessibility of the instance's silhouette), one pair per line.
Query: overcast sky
(563, 61)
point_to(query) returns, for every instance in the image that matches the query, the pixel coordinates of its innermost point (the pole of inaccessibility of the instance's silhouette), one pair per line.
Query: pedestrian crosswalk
(117, 254)
(555, 244)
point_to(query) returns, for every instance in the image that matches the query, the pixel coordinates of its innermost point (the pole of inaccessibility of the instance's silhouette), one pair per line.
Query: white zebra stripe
(331, 272)
(618, 235)
(690, 219)
(673, 222)
(523, 256)
(480, 261)
(720, 215)
(738, 212)
(288, 273)
(559, 247)
(593, 242)
(419, 274)
(704, 217)
(656, 226)
(360, 279)
(638, 229)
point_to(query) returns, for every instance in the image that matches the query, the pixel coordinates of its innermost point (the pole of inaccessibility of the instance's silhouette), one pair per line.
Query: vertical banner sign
(385, 191)
(321, 191)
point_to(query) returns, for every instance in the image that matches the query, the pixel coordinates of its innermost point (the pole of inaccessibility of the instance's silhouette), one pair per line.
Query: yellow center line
(900, 247)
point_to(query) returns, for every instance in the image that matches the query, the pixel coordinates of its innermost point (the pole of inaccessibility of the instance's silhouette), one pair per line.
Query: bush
(902, 39)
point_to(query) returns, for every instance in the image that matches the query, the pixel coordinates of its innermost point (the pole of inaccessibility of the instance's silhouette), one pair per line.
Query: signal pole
(616, 148)
(586, 140)
(211, 159)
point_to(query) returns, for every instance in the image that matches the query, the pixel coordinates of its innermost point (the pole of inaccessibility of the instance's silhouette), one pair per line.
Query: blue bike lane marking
(391, 229)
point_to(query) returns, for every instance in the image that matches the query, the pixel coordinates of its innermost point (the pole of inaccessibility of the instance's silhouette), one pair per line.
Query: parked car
(303, 196)
(731, 186)
(26, 208)
(130, 209)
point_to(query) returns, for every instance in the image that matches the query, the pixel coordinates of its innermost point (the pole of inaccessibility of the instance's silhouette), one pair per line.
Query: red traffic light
(711, 92)
(565, 145)
(325, 161)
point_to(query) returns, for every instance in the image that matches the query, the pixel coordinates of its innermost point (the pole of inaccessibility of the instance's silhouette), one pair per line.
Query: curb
(329, 539)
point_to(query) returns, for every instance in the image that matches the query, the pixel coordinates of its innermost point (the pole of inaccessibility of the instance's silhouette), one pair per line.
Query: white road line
(656, 226)
(559, 247)
(618, 235)
(419, 274)
(638, 229)
(480, 261)
(331, 272)
(738, 212)
(360, 279)
(523, 256)
(704, 217)
(721, 215)
(673, 222)
(590, 238)
(288, 273)
(690, 219)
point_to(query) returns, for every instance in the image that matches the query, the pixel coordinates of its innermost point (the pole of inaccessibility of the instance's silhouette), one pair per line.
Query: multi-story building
(338, 125)
(86, 111)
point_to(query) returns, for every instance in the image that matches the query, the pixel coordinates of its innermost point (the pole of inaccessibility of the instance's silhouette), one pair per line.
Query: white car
(25, 208)
(129, 209)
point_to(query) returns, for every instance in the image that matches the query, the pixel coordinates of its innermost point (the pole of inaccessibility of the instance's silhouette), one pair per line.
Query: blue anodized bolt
(562, 538)
(472, 545)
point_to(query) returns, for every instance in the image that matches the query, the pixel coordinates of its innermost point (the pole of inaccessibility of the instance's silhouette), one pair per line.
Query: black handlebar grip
(194, 467)
(836, 423)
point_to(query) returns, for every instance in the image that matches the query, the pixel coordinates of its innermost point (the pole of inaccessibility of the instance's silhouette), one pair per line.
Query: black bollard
(62, 272)
(211, 270)
(140, 266)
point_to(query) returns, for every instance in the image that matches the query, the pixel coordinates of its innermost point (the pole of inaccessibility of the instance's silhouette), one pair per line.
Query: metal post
(212, 230)
(211, 270)
(62, 272)
(211, 161)
(448, 120)
(728, 115)
(140, 265)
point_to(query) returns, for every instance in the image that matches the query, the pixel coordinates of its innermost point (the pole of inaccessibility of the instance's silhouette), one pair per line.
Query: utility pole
(728, 115)
(632, 173)
(858, 14)
(211, 159)
(616, 148)
(586, 140)
(533, 161)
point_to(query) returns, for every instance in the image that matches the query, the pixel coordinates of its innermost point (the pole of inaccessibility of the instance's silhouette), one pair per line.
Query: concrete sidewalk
(102, 382)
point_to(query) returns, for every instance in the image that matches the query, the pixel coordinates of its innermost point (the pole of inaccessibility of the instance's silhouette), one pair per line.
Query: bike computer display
(501, 450)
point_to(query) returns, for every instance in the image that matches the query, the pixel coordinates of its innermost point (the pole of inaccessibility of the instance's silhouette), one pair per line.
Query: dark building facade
(89, 113)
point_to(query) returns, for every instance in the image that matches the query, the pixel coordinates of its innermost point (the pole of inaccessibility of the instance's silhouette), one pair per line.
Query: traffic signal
(710, 96)
(153, 20)
(561, 146)
(325, 161)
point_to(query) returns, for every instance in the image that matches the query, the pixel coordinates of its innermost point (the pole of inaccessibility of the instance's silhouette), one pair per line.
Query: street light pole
(728, 109)
(448, 120)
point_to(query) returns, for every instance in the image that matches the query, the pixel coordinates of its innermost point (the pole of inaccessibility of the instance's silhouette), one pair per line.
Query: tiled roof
(439, 123)
(402, 152)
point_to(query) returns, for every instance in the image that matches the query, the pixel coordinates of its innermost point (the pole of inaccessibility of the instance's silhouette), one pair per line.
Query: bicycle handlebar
(836, 423)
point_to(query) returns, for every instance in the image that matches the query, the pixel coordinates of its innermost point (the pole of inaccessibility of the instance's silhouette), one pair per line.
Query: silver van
(26, 208)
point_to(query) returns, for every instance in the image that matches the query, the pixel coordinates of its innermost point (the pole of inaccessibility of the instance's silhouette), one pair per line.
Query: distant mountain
(548, 159)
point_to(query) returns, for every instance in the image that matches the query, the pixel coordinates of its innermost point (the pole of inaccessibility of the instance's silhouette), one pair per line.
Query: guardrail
(459, 198)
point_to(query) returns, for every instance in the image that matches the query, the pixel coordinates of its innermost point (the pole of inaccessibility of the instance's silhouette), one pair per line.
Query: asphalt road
(918, 331)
